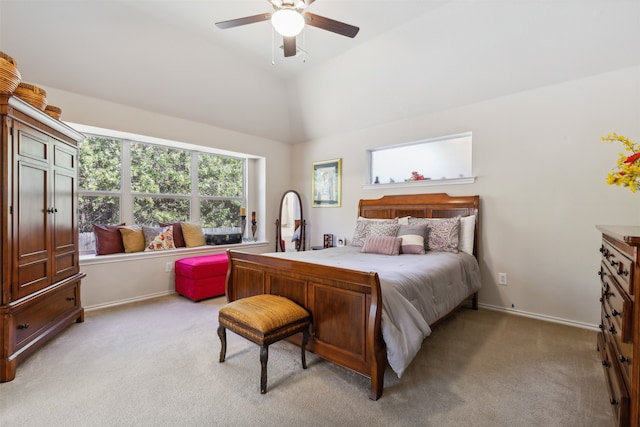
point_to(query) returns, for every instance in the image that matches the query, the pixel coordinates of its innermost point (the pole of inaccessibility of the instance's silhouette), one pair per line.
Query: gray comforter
(417, 290)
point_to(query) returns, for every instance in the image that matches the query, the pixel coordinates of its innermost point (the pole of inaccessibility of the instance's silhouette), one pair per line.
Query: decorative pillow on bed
(363, 229)
(383, 245)
(108, 239)
(412, 239)
(158, 238)
(443, 234)
(467, 233)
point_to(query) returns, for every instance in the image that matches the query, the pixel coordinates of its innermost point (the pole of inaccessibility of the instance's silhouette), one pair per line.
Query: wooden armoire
(40, 293)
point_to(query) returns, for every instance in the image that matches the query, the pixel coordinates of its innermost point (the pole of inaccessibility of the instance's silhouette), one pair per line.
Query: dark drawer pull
(622, 271)
(606, 364)
(612, 330)
(71, 298)
(613, 401)
(616, 312)
(624, 359)
(23, 326)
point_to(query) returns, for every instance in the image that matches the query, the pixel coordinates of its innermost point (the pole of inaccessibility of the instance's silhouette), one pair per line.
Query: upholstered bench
(263, 320)
(201, 277)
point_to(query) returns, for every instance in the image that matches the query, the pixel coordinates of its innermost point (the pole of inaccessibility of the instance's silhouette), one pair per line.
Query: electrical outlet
(502, 278)
(168, 267)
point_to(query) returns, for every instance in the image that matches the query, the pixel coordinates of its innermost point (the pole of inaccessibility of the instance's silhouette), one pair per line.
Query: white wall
(541, 172)
(136, 277)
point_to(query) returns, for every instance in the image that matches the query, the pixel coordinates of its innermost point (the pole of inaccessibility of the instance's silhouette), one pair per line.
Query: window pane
(99, 164)
(220, 176)
(438, 158)
(219, 213)
(154, 210)
(160, 170)
(97, 210)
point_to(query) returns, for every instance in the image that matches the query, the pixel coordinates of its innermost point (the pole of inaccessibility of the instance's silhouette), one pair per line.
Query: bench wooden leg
(222, 333)
(264, 357)
(305, 338)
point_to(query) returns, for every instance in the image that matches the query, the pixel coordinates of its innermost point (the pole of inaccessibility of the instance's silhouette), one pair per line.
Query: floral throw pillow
(158, 238)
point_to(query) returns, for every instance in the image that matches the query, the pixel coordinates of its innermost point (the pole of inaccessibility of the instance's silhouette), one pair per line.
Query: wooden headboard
(437, 205)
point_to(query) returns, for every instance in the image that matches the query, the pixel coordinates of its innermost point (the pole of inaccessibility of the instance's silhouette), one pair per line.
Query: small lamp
(287, 22)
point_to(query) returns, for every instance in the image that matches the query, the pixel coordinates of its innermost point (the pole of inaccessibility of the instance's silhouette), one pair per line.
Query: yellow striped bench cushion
(264, 313)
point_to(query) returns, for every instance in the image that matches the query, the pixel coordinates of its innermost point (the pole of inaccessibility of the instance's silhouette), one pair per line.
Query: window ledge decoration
(421, 182)
(627, 173)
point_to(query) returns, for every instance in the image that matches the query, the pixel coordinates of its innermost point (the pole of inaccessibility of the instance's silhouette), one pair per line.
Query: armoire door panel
(31, 218)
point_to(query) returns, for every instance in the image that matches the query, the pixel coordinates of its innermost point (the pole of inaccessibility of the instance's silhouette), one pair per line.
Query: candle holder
(254, 228)
(243, 226)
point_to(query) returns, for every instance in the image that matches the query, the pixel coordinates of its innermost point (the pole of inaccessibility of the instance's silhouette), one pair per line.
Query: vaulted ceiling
(409, 58)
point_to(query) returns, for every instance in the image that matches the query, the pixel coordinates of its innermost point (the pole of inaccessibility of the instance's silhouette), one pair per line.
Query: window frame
(126, 196)
(369, 181)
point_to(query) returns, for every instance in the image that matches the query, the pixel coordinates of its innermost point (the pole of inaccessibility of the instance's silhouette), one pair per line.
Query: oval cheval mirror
(290, 225)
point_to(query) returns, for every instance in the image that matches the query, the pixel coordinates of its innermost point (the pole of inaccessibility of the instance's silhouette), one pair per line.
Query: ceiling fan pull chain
(273, 47)
(304, 47)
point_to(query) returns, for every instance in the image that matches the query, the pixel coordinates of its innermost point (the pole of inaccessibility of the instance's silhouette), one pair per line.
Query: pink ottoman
(201, 277)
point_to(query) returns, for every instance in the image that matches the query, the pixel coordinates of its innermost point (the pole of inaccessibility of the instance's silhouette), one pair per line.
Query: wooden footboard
(345, 306)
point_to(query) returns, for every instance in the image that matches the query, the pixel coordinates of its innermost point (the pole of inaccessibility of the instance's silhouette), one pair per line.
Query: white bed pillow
(467, 234)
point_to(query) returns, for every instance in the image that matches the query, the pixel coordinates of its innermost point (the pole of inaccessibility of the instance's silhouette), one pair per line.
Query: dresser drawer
(619, 264)
(618, 306)
(618, 394)
(30, 319)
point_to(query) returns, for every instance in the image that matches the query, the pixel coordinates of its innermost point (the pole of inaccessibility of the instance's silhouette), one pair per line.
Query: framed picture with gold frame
(326, 183)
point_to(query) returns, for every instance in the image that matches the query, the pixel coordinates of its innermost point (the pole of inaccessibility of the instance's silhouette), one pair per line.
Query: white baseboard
(541, 317)
(546, 318)
(128, 300)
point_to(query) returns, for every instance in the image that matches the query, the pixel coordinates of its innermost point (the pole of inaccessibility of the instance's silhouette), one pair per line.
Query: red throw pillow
(178, 238)
(108, 239)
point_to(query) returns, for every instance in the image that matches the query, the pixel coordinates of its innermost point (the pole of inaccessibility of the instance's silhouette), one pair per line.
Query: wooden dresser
(40, 293)
(619, 339)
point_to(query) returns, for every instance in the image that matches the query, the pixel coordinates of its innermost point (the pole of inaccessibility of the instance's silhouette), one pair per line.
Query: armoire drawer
(29, 319)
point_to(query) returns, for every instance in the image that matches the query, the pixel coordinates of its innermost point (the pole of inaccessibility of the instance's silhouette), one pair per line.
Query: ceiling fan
(289, 18)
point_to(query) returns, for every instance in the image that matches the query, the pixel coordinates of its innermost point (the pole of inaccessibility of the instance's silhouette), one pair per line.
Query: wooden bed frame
(345, 304)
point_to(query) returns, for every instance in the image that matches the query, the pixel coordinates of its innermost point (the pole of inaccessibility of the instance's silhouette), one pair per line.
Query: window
(138, 182)
(444, 158)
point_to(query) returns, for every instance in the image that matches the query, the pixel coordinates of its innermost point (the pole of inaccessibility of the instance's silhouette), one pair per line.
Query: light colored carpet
(155, 363)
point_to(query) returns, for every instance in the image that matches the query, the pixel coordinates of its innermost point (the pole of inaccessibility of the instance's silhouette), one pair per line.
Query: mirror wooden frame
(299, 222)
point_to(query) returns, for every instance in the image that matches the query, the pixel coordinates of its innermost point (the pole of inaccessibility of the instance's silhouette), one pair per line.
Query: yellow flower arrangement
(628, 172)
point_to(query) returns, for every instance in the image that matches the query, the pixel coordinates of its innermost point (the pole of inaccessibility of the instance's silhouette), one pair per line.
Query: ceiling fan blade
(330, 25)
(243, 21)
(289, 46)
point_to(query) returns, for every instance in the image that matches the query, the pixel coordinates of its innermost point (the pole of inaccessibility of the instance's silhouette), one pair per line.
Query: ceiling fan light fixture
(287, 22)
